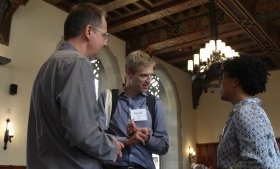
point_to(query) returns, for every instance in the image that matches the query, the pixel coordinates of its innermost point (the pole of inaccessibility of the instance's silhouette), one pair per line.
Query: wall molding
(7, 10)
(12, 167)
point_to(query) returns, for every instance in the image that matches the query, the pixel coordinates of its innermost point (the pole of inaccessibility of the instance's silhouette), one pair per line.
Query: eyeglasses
(106, 35)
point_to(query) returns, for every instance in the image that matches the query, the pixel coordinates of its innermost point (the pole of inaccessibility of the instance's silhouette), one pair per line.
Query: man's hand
(131, 127)
(120, 147)
(137, 134)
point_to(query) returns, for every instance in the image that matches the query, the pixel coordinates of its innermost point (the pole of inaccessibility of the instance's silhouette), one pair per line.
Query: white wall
(34, 35)
(212, 113)
(270, 101)
(117, 47)
(186, 126)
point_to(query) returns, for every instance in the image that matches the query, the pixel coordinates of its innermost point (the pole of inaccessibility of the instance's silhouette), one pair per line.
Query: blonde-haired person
(132, 122)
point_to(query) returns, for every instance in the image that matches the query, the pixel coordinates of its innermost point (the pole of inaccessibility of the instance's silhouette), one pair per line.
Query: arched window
(154, 89)
(96, 72)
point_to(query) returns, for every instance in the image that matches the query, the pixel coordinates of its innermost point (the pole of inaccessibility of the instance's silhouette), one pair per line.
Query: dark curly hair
(251, 72)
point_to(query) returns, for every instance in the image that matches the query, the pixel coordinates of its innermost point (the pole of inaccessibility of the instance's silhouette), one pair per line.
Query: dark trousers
(122, 167)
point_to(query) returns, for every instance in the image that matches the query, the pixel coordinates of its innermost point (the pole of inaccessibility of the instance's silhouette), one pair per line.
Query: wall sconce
(9, 133)
(191, 154)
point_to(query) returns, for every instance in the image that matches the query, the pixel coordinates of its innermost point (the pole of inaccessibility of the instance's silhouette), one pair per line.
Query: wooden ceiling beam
(238, 46)
(148, 9)
(53, 2)
(181, 59)
(198, 42)
(189, 18)
(237, 11)
(157, 15)
(268, 16)
(117, 4)
(178, 42)
(276, 22)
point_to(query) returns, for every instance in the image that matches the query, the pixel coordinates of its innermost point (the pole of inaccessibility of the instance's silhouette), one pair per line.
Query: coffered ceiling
(174, 30)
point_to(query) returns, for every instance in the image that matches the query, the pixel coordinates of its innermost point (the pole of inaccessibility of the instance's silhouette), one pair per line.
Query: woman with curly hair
(248, 139)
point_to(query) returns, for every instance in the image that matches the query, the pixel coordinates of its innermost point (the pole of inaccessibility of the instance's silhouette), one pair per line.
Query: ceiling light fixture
(215, 51)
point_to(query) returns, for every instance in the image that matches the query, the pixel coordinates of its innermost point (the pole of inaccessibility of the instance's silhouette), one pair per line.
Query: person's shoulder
(104, 91)
(249, 111)
(69, 57)
(148, 94)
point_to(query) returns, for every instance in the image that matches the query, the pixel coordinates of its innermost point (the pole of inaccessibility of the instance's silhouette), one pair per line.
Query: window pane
(96, 72)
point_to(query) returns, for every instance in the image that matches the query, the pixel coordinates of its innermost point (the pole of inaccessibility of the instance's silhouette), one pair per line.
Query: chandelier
(215, 51)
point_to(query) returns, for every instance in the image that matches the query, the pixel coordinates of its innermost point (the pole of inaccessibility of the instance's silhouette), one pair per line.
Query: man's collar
(123, 93)
(66, 46)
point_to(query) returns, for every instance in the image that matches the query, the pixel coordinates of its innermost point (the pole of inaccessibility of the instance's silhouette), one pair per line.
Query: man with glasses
(63, 131)
(106, 35)
(142, 131)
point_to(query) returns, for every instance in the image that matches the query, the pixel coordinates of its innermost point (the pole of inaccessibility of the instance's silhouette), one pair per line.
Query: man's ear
(128, 72)
(88, 32)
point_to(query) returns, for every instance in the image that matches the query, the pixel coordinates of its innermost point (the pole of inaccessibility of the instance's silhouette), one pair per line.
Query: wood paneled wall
(207, 153)
(11, 167)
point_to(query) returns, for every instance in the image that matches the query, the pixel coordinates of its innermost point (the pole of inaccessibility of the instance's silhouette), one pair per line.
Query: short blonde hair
(137, 58)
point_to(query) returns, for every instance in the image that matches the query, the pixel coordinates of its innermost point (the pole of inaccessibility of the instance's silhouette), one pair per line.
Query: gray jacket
(63, 131)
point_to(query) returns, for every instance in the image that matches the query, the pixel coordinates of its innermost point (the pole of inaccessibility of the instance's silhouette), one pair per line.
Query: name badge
(138, 114)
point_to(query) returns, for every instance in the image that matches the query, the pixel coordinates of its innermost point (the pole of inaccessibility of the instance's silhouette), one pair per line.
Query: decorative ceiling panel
(174, 30)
